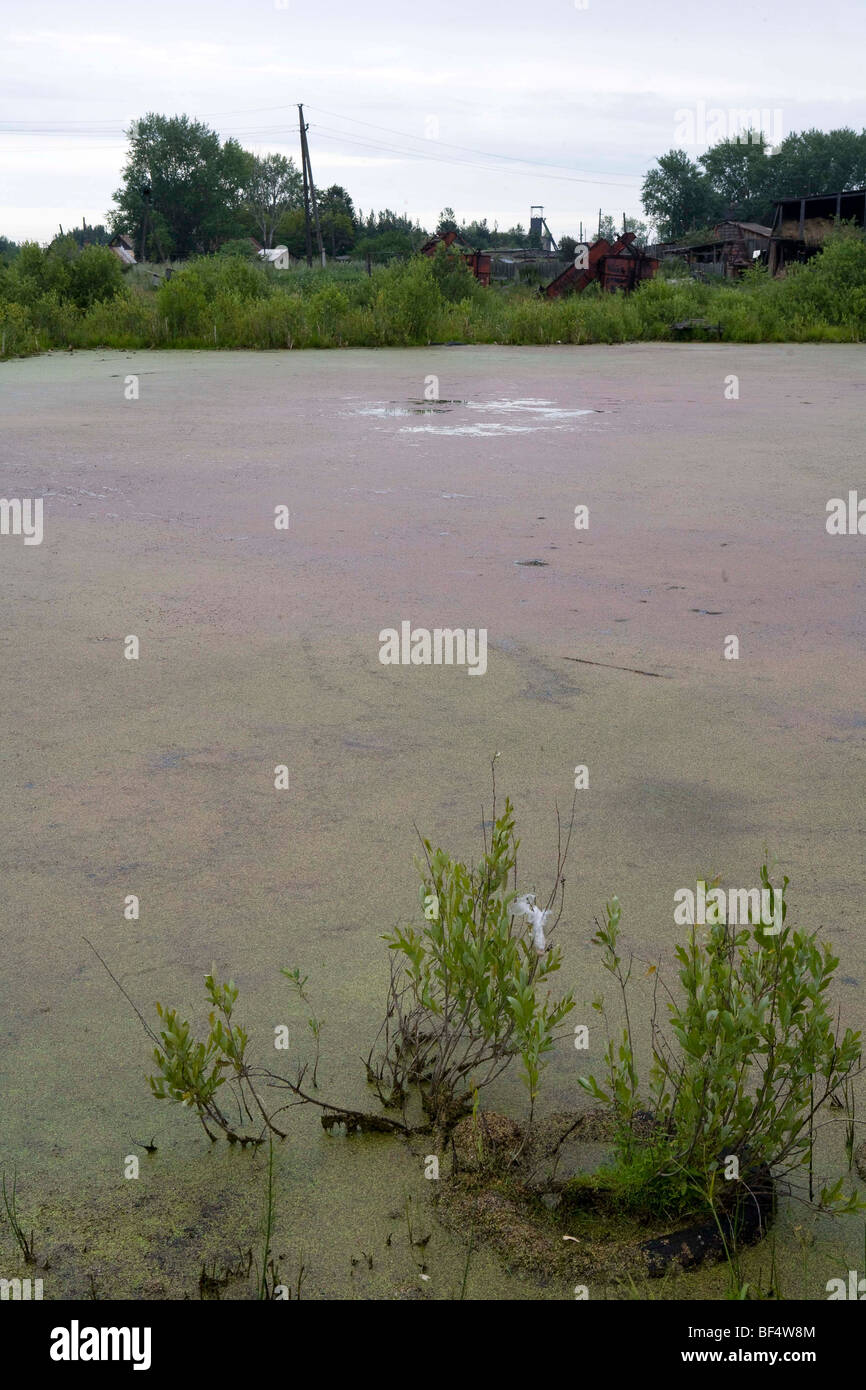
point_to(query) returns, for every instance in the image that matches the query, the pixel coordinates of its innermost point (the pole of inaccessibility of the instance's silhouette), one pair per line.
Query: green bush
(324, 312)
(453, 277)
(181, 303)
(240, 246)
(469, 992)
(410, 302)
(231, 301)
(94, 275)
(754, 1055)
(17, 336)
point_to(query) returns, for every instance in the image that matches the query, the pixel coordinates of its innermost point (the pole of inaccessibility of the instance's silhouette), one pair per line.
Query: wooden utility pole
(309, 193)
(306, 185)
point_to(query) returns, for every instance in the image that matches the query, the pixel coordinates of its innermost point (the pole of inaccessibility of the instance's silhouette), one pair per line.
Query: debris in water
(635, 671)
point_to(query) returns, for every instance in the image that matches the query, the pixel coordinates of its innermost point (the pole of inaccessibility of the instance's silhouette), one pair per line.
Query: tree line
(186, 192)
(743, 177)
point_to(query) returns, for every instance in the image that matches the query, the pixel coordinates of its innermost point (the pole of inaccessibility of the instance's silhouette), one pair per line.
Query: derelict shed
(732, 247)
(276, 256)
(802, 225)
(123, 249)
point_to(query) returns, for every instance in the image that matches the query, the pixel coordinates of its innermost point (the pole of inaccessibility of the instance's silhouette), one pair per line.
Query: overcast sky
(486, 108)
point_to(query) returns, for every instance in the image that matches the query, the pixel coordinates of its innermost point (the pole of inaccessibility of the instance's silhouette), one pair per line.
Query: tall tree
(186, 181)
(678, 196)
(447, 222)
(273, 187)
(741, 172)
(337, 218)
(819, 161)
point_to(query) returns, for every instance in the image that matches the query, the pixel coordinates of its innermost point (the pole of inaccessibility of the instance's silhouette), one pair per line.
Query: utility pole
(309, 193)
(306, 185)
(142, 255)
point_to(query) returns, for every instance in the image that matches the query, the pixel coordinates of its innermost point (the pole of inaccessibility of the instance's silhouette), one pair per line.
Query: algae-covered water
(259, 648)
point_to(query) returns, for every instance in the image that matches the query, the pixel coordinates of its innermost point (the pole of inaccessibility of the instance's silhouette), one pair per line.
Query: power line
(436, 159)
(583, 176)
(486, 154)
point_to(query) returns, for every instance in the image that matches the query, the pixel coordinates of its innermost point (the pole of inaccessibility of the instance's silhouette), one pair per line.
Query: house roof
(820, 197)
(274, 253)
(756, 228)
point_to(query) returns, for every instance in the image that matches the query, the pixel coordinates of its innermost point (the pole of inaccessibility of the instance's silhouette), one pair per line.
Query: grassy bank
(228, 302)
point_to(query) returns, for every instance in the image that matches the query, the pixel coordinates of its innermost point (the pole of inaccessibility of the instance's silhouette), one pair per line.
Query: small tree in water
(468, 991)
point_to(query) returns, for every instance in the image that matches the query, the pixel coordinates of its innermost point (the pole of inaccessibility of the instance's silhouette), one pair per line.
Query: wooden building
(732, 247)
(801, 225)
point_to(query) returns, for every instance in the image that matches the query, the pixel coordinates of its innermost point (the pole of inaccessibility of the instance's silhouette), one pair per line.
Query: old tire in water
(746, 1222)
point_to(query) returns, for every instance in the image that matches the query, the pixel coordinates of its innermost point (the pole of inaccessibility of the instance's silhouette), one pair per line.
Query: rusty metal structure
(477, 261)
(539, 232)
(617, 266)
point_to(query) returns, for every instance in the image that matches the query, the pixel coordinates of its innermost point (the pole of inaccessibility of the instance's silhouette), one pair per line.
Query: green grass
(227, 302)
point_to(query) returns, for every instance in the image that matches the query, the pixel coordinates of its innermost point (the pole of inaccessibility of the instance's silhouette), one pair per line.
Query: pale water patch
(537, 414)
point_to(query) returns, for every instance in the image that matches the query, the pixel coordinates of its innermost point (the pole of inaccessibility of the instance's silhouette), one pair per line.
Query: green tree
(818, 161)
(90, 236)
(477, 233)
(386, 246)
(740, 172)
(678, 196)
(337, 219)
(641, 230)
(272, 187)
(447, 222)
(290, 232)
(194, 186)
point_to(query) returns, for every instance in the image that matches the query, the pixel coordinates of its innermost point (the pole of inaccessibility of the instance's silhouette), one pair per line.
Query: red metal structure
(616, 267)
(477, 261)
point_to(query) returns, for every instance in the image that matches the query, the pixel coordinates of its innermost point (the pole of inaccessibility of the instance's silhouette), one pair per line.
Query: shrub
(410, 301)
(452, 275)
(240, 246)
(226, 301)
(324, 310)
(94, 275)
(754, 1056)
(17, 337)
(181, 302)
(468, 990)
(127, 321)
